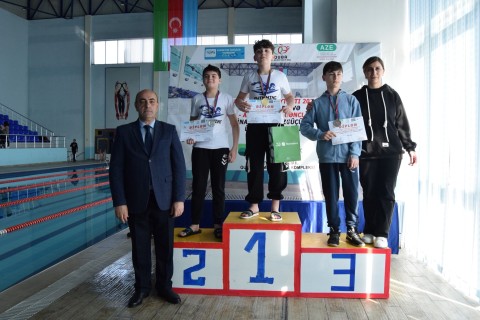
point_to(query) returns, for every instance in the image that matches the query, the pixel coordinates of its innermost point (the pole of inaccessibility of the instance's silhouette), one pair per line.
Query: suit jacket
(131, 169)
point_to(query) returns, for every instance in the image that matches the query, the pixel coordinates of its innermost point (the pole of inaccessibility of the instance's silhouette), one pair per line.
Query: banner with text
(302, 63)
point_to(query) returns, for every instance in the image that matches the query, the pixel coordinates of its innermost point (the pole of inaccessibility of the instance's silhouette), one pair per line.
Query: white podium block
(198, 264)
(343, 272)
(262, 255)
(258, 257)
(262, 260)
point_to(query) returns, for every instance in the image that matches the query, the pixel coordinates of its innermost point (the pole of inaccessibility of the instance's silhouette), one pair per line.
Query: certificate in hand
(348, 130)
(268, 113)
(198, 130)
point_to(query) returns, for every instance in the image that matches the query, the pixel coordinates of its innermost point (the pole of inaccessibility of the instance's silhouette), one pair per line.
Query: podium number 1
(259, 237)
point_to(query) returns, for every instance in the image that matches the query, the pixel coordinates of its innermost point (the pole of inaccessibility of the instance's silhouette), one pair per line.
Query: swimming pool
(48, 216)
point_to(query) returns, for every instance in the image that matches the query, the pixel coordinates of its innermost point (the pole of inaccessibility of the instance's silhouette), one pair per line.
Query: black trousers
(142, 226)
(258, 146)
(215, 162)
(378, 178)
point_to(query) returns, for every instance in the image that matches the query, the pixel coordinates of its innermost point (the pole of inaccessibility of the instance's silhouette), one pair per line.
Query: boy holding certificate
(339, 160)
(263, 84)
(211, 156)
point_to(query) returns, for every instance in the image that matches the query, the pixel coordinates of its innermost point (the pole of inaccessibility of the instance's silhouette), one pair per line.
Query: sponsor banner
(302, 63)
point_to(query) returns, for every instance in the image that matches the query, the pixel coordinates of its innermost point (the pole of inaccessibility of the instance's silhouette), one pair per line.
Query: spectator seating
(18, 132)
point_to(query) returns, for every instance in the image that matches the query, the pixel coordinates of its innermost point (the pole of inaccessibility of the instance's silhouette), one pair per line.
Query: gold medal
(337, 123)
(265, 100)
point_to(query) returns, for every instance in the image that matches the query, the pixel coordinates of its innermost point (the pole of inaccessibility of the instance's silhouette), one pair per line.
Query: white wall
(384, 21)
(55, 81)
(13, 62)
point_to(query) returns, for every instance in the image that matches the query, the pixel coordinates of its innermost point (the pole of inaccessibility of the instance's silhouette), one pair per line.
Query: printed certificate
(265, 113)
(198, 130)
(348, 130)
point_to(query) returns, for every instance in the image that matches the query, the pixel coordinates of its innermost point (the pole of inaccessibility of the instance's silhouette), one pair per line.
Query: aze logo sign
(326, 47)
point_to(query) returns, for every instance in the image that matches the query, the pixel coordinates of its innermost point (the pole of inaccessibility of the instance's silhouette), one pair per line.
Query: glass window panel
(283, 38)
(221, 40)
(271, 37)
(111, 52)
(121, 51)
(254, 38)
(148, 50)
(99, 52)
(296, 38)
(134, 51)
(208, 40)
(242, 39)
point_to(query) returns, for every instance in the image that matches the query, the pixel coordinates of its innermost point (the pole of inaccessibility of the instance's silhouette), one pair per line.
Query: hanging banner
(302, 63)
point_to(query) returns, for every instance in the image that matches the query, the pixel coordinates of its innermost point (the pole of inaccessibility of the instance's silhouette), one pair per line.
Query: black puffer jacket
(389, 132)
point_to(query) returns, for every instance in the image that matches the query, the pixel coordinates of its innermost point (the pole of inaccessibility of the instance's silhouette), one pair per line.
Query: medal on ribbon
(265, 100)
(211, 110)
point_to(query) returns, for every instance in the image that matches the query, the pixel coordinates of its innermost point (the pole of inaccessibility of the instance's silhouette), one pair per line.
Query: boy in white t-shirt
(260, 84)
(214, 155)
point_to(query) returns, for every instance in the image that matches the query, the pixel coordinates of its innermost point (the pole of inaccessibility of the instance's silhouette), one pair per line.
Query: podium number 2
(259, 237)
(187, 273)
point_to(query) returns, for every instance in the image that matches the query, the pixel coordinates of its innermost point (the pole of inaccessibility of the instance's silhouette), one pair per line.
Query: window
(123, 51)
(141, 50)
(274, 38)
(209, 40)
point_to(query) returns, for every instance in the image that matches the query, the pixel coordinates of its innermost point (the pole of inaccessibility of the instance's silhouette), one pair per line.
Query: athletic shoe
(334, 238)
(368, 238)
(380, 242)
(353, 238)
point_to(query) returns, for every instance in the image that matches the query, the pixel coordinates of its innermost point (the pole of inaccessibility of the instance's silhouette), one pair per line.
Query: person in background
(211, 156)
(74, 148)
(3, 136)
(147, 181)
(388, 134)
(263, 83)
(336, 161)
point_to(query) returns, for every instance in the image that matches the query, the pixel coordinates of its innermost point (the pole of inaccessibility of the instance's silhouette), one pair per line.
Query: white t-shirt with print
(223, 108)
(278, 85)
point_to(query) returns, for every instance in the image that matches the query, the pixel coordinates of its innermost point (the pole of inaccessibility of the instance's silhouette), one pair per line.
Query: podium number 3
(259, 237)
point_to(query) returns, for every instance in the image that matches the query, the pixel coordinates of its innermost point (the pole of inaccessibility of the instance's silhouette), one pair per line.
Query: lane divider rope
(50, 195)
(53, 216)
(43, 184)
(51, 175)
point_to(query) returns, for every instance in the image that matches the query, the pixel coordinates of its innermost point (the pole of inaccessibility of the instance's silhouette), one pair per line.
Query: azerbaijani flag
(175, 23)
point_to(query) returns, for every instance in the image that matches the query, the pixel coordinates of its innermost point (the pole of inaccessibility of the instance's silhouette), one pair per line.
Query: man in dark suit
(147, 180)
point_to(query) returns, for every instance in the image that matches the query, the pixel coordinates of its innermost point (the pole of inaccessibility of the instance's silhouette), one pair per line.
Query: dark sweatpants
(378, 178)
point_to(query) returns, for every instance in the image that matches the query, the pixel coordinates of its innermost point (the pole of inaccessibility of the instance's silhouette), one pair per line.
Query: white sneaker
(380, 242)
(368, 238)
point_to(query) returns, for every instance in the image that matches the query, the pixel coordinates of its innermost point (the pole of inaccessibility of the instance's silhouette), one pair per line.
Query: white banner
(302, 63)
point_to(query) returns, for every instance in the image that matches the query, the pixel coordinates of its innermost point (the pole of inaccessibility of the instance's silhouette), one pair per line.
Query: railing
(22, 141)
(24, 121)
(78, 155)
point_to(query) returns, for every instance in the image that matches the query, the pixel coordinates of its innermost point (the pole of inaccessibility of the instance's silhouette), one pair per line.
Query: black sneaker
(334, 238)
(354, 239)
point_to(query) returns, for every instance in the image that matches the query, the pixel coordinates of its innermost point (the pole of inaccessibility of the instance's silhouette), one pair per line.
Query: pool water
(46, 217)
